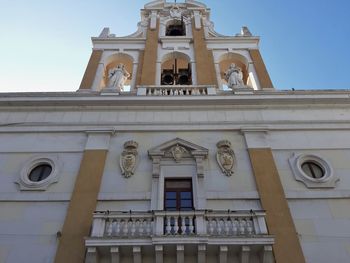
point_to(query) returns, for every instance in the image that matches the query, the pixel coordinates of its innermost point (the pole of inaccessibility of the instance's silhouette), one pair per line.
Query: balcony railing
(176, 90)
(126, 225)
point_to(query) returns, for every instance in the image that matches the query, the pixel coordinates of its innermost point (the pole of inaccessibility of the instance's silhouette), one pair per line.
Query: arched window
(175, 28)
(176, 69)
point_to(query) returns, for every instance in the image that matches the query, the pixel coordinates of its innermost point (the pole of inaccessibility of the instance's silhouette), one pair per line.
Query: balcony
(133, 236)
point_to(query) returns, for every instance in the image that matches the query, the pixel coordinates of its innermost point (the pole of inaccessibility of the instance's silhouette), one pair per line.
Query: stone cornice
(258, 98)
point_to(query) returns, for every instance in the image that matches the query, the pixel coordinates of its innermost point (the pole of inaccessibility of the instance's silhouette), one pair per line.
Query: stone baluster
(219, 225)
(241, 227)
(227, 226)
(149, 227)
(168, 225)
(133, 227)
(234, 226)
(176, 225)
(139, 226)
(191, 226)
(109, 228)
(249, 226)
(117, 227)
(183, 225)
(125, 227)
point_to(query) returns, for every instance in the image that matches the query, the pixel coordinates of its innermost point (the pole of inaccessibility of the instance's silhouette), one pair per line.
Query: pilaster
(263, 75)
(91, 70)
(77, 225)
(287, 248)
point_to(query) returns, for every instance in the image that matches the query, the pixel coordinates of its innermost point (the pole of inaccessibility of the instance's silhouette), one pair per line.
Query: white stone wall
(236, 193)
(321, 216)
(29, 220)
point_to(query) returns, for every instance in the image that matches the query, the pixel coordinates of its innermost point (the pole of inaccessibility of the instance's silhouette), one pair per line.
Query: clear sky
(45, 45)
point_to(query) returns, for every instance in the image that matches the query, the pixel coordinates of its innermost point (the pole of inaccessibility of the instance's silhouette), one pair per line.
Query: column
(148, 70)
(78, 221)
(245, 253)
(115, 255)
(96, 86)
(263, 75)
(287, 248)
(158, 73)
(194, 73)
(223, 254)
(218, 75)
(201, 258)
(159, 253)
(91, 70)
(205, 68)
(253, 77)
(137, 254)
(180, 254)
(91, 255)
(134, 75)
(267, 255)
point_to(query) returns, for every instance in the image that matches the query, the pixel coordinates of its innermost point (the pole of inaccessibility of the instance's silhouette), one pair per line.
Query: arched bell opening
(115, 61)
(240, 62)
(175, 28)
(176, 69)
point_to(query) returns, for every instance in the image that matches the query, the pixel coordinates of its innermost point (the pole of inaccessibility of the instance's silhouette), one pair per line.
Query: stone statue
(234, 77)
(117, 78)
(129, 159)
(225, 157)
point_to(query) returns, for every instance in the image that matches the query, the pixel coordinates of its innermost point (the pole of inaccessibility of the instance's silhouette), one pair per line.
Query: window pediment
(190, 150)
(178, 150)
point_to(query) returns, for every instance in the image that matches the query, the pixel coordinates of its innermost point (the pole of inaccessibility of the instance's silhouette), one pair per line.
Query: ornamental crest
(176, 12)
(178, 152)
(129, 159)
(225, 157)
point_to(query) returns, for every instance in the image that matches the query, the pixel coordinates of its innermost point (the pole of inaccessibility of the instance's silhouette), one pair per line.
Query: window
(178, 195)
(176, 28)
(40, 173)
(313, 170)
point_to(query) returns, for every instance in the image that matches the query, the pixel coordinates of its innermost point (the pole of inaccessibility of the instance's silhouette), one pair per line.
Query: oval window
(40, 173)
(313, 170)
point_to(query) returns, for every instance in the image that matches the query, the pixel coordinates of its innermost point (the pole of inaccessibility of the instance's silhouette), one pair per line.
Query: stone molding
(329, 179)
(25, 184)
(165, 152)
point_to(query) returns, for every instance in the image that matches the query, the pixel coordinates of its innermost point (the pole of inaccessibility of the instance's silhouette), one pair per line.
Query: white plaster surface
(28, 230)
(323, 227)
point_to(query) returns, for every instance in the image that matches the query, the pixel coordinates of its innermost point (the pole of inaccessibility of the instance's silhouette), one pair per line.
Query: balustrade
(230, 225)
(176, 90)
(178, 223)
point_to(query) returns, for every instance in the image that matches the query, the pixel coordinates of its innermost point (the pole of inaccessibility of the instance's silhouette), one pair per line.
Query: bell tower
(175, 45)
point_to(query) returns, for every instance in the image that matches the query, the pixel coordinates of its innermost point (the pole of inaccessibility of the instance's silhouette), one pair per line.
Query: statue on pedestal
(234, 77)
(117, 78)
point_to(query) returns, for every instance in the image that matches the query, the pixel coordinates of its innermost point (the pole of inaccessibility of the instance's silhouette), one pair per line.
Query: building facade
(175, 148)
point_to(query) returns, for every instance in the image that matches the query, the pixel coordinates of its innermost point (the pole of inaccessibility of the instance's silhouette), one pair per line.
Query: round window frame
(323, 164)
(27, 184)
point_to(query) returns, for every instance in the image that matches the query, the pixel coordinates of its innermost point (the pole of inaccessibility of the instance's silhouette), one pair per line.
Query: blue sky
(45, 44)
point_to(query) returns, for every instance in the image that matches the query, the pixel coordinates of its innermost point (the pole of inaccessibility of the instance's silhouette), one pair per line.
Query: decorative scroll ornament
(225, 157)
(129, 158)
(178, 152)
